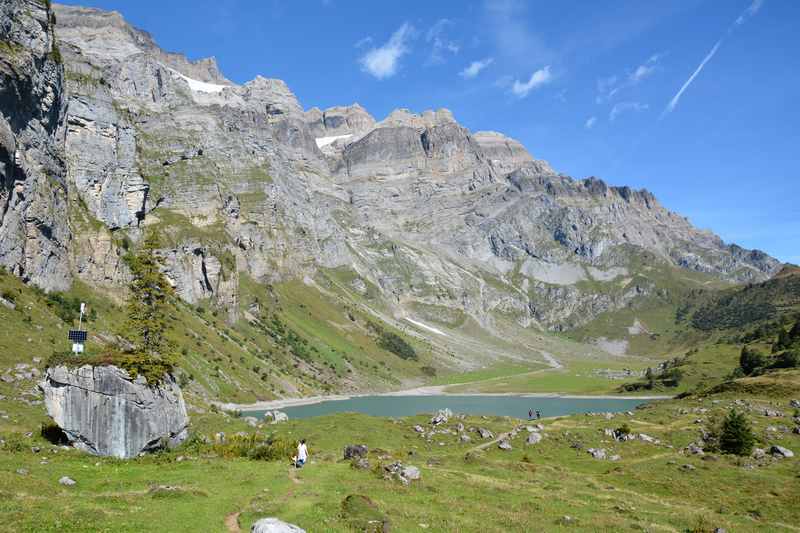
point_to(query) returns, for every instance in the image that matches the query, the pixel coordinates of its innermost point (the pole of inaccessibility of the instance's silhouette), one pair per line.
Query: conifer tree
(750, 360)
(736, 436)
(148, 304)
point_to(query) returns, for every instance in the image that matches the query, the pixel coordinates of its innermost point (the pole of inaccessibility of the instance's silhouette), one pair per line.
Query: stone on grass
(795, 404)
(274, 525)
(251, 421)
(533, 438)
(694, 449)
(355, 450)
(688, 467)
(67, 481)
(360, 463)
(772, 413)
(780, 451)
(274, 417)
(485, 433)
(419, 429)
(597, 453)
(22, 471)
(464, 438)
(505, 445)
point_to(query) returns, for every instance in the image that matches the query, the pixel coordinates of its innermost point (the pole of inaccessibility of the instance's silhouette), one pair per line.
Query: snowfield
(201, 86)
(425, 326)
(325, 141)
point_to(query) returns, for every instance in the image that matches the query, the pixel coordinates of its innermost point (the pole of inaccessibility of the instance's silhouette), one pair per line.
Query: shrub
(750, 360)
(391, 342)
(788, 359)
(429, 371)
(736, 435)
(14, 442)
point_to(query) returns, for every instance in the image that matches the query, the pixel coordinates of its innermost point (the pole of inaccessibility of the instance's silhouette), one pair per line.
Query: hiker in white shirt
(302, 454)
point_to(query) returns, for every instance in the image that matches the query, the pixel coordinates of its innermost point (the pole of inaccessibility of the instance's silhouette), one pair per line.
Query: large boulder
(104, 411)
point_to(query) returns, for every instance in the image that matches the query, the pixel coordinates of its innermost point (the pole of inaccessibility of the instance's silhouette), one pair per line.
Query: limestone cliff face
(34, 234)
(105, 412)
(239, 179)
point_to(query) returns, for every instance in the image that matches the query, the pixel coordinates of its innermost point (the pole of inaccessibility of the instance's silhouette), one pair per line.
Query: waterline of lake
(516, 406)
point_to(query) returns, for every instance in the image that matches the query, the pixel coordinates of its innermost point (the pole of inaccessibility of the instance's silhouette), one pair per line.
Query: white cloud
(537, 79)
(506, 24)
(437, 37)
(476, 67)
(383, 62)
(624, 107)
(590, 122)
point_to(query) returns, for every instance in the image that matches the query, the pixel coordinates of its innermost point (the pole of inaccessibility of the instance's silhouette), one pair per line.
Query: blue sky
(595, 88)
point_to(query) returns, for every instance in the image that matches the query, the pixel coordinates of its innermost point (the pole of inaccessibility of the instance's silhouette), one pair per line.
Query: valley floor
(464, 486)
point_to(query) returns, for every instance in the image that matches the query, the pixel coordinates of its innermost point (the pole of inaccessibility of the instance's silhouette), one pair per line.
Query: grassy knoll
(530, 487)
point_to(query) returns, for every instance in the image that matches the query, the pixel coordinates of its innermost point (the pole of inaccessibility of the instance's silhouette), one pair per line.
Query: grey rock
(780, 451)
(694, 449)
(411, 473)
(275, 417)
(597, 453)
(250, 421)
(34, 235)
(485, 433)
(274, 525)
(360, 463)
(464, 438)
(533, 438)
(759, 453)
(419, 429)
(688, 467)
(353, 451)
(103, 411)
(772, 413)
(794, 403)
(67, 481)
(22, 471)
(505, 445)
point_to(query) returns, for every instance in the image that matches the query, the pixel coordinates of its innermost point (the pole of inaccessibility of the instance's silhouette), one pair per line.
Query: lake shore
(430, 390)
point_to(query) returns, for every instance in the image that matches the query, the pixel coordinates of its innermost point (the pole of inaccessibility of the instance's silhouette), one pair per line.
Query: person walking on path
(302, 454)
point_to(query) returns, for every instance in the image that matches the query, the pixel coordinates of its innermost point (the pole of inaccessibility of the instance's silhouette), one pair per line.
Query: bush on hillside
(750, 360)
(391, 342)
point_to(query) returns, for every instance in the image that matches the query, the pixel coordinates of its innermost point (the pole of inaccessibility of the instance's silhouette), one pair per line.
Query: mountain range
(459, 239)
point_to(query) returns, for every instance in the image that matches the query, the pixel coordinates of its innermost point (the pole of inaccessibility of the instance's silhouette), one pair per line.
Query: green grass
(528, 488)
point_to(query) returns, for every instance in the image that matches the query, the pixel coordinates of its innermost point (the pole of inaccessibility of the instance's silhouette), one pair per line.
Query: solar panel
(76, 335)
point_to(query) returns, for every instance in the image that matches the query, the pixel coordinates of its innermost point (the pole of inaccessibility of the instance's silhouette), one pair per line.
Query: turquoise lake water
(514, 406)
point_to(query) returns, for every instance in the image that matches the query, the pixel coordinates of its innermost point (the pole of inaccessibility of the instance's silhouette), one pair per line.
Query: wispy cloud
(383, 62)
(363, 42)
(749, 12)
(476, 67)
(624, 107)
(440, 44)
(608, 88)
(515, 41)
(537, 79)
(590, 122)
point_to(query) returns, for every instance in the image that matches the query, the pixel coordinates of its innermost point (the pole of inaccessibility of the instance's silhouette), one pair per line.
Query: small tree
(736, 436)
(750, 360)
(150, 295)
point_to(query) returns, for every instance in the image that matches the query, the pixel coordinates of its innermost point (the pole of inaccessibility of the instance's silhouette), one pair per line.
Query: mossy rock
(362, 514)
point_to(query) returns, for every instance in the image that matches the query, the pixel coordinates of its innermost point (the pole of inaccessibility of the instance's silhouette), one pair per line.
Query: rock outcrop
(34, 234)
(241, 179)
(103, 411)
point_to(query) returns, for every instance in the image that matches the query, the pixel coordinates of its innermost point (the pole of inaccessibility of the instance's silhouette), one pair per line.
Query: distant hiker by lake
(302, 454)
(530, 414)
(538, 414)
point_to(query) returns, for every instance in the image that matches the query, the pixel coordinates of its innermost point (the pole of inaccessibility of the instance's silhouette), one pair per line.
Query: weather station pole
(78, 336)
